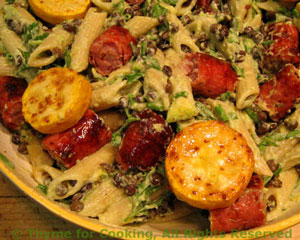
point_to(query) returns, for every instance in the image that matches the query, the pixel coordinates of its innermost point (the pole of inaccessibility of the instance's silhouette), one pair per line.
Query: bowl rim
(98, 226)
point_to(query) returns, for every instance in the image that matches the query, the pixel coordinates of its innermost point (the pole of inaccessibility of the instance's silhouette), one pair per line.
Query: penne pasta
(140, 25)
(281, 195)
(85, 37)
(184, 7)
(82, 172)
(247, 86)
(51, 48)
(7, 68)
(181, 38)
(12, 42)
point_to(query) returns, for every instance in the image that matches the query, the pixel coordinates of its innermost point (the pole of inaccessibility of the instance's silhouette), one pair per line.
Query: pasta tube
(82, 172)
(140, 25)
(85, 37)
(51, 48)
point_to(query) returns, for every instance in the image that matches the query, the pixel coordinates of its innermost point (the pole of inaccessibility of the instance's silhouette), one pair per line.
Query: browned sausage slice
(111, 50)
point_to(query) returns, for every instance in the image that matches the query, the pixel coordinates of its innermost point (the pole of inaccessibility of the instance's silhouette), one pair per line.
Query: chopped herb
(155, 107)
(30, 31)
(275, 174)
(235, 23)
(143, 48)
(286, 12)
(134, 76)
(233, 116)
(25, 55)
(178, 127)
(213, 53)
(171, 2)
(31, 35)
(133, 47)
(239, 71)
(278, 170)
(42, 188)
(180, 94)
(230, 40)
(272, 139)
(246, 48)
(7, 55)
(267, 43)
(67, 57)
(119, 7)
(41, 37)
(204, 112)
(26, 126)
(10, 1)
(130, 97)
(152, 63)
(165, 26)
(252, 114)
(292, 195)
(157, 11)
(142, 201)
(220, 113)
(144, 8)
(7, 162)
(295, 13)
(24, 66)
(225, 96)
(67, 201)
(117, 136)
(254, 11)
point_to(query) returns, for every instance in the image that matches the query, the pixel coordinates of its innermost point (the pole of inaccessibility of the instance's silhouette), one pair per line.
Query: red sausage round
(210, 76)
(279, 94)
(284, 47)
(11, 92)
(248, 211)
(135, 2)
(111, 50)
(145, 142)
(83, 139)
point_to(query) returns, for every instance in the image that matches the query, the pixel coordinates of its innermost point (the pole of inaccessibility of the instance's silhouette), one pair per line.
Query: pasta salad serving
(134, 111)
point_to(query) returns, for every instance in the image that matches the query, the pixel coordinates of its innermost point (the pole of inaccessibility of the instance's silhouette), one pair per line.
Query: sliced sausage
(11, 92)
(249, 211)
(85, 138)
(283, 47)
(204, 5)
(210, 76)
(135, 2)
(279, 94)
(111, 50)
(145, 142)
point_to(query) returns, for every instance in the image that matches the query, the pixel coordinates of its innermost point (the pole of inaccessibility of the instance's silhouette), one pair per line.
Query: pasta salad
(150, 110)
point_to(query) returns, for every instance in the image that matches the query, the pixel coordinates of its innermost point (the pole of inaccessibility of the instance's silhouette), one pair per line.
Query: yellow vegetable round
(209, 165)
(56, 100)
(56, 11)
